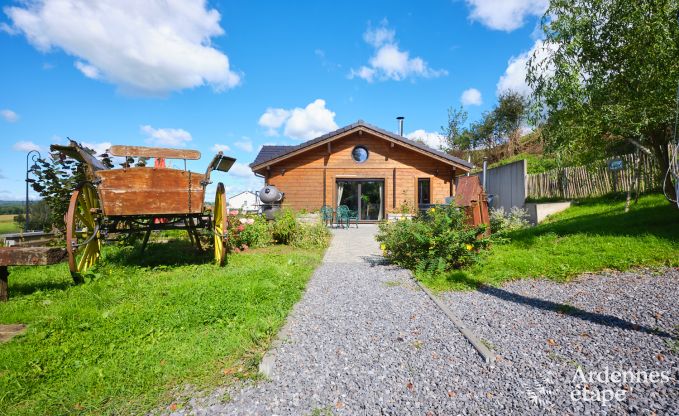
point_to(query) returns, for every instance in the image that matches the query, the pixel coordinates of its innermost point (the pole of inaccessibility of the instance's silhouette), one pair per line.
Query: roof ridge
(261, 158)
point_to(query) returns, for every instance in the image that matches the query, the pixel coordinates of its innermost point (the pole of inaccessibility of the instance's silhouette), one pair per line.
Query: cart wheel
(83, 241)
(219, 222)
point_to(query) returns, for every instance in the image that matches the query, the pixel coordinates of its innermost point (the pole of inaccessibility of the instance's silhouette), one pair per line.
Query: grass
(536, 163)
(141, 328)
(592, 236)
(7, 224)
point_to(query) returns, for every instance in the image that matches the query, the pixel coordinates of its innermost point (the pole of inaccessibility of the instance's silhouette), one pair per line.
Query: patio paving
(354, 245)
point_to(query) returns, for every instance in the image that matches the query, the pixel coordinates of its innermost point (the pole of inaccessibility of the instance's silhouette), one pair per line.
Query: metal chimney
(400, 125)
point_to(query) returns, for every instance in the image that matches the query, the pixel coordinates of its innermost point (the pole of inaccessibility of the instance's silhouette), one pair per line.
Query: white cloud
(389, 62)
(312, 121)
(25, 146)
(220, 148)
(241, 170)
(471, 96)
(245, 144)
(432, 139)
(88, 70)
(380, 36)
(99, 148)
(300, 123)
(9, 116)
(166, 137)
(150, 47)
(272, 119)
(506, 15)
(514, 78)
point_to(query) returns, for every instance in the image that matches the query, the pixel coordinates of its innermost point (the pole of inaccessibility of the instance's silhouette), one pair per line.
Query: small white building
(245, 201)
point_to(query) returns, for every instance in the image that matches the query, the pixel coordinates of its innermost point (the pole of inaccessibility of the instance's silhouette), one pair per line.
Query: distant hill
(12, 207)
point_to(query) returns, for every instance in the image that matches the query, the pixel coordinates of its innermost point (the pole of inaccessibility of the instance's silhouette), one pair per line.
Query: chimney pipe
(400, 125)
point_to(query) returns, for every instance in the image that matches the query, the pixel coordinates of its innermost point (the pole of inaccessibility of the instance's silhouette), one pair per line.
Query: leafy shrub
(436, 241)
(287, 230)
(250, 232)
(284, 226)
(255, 231)
(310, 236)
(502, 221)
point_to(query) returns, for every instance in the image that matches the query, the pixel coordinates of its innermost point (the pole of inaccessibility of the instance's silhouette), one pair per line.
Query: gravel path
(615, 321)
(366, 340)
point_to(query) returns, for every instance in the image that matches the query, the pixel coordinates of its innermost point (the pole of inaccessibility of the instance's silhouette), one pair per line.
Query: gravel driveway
(608, 322)
(366, 340)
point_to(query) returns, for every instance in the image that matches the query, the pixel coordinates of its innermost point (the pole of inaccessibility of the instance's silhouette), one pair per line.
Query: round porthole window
(359, 154)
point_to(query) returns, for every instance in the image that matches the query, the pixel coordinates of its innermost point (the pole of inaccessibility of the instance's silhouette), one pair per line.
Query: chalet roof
(271, 153)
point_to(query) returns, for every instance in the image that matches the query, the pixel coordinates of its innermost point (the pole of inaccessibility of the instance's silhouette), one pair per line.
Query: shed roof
(276, 153)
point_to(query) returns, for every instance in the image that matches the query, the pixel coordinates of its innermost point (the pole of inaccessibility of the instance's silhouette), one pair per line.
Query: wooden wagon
(140, 199)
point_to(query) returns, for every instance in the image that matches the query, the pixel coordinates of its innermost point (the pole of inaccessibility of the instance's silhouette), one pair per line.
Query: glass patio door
(364, 196)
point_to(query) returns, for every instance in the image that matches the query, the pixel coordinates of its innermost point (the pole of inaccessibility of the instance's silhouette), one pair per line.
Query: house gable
(271, 155)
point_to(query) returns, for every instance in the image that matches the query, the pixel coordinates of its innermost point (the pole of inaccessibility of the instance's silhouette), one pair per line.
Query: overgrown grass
(535, 163)
(592, 236)
(141, 328)
(7, 224)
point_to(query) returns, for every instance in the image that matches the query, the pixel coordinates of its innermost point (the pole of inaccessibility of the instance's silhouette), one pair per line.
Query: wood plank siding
(309, 179)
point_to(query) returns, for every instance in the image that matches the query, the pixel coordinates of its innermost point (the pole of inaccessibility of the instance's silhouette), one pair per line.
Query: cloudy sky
(234, 75)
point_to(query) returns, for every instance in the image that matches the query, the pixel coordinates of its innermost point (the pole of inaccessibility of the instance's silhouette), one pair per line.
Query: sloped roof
(243, 192)
(270, 153)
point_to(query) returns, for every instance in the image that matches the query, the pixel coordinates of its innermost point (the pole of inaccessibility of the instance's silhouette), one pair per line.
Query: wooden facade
(309, 175)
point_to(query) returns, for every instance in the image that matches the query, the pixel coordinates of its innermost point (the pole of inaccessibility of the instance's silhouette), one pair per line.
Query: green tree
(56, 178)
(40, 217)
(607, 75)
(509, 118)
(456, 135)
(503, 124)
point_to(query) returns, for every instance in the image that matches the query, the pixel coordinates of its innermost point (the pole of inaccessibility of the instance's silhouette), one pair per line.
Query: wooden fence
(593, 180)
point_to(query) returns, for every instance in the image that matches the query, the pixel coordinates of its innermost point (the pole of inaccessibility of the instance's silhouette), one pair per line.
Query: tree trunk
(637, 177)
(634, 185)
(663, 158)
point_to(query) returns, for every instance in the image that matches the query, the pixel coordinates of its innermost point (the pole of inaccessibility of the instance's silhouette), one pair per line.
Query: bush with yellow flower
(437, 240)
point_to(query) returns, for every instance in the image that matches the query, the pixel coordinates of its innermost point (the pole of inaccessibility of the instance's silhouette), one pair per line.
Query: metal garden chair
(326, 215)
(344, 214)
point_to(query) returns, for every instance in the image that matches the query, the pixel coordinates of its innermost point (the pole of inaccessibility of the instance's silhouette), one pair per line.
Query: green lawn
(140, 328)
(592, 236)
(7, 224)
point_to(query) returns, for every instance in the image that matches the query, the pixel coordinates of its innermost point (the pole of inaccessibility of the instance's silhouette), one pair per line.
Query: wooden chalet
(371, 170)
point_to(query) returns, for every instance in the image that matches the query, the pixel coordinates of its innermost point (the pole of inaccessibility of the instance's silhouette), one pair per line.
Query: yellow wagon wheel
(219, 222)
(83, 241)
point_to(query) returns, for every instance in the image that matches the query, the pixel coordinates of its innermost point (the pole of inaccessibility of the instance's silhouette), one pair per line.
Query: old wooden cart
(140, 200)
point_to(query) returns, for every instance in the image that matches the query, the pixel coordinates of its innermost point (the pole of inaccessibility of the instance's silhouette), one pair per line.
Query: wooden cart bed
(149, 191)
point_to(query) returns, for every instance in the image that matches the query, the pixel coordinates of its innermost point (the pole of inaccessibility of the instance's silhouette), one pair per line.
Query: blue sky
(235, 75)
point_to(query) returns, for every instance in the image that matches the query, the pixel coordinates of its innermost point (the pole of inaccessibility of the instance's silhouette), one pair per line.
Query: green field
(140, 328)
(592, 236)
(7, 224)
